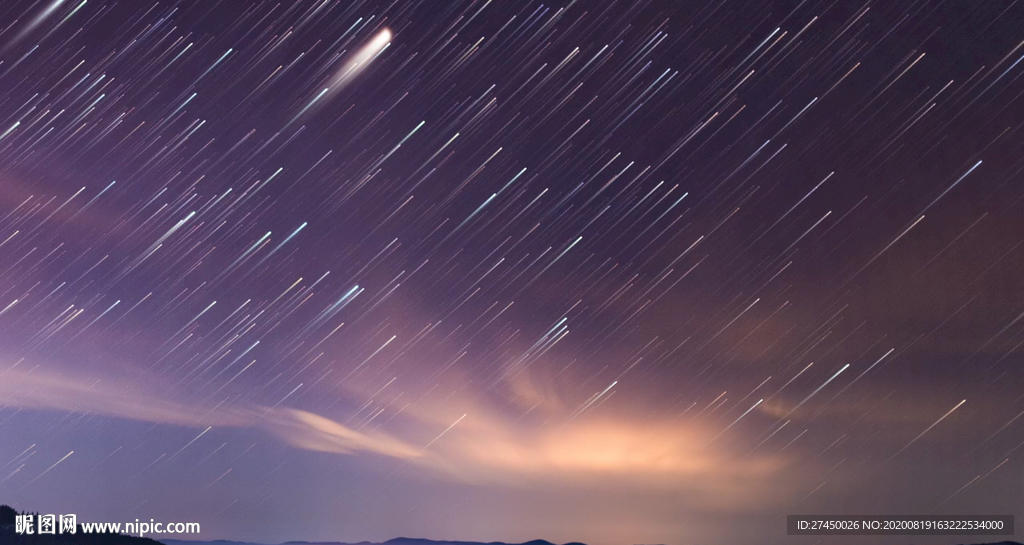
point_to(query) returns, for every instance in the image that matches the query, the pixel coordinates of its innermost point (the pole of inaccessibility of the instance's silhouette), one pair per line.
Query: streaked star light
(609, 272)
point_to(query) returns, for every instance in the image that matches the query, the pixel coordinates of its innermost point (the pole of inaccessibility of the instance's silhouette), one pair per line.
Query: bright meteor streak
(361, 59)
(355, 64)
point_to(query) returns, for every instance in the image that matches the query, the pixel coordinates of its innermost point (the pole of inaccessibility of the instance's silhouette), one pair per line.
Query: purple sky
(612, 272)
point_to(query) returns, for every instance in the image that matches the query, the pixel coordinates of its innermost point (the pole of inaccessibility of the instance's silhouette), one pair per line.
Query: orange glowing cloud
(482, 447)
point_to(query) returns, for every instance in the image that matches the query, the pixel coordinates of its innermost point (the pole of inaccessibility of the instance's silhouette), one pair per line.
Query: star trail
(609, 272)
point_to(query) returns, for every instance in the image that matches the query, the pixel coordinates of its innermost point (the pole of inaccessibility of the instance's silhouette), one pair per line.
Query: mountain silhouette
(419, 541)
(395, 541)
(8, 536)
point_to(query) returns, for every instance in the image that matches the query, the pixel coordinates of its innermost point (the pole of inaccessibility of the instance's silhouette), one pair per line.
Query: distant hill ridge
(395, 541)
(9, 537)
(417, 541)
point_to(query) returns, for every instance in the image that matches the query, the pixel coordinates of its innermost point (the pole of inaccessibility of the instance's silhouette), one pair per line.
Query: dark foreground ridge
(395, 541)
(8, 536)
(417, 541)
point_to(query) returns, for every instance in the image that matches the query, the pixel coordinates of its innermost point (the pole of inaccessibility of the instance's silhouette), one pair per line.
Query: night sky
(613, 272)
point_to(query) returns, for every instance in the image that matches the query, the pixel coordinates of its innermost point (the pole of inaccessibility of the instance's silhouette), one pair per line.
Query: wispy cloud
(43, 390)
(485, 446)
